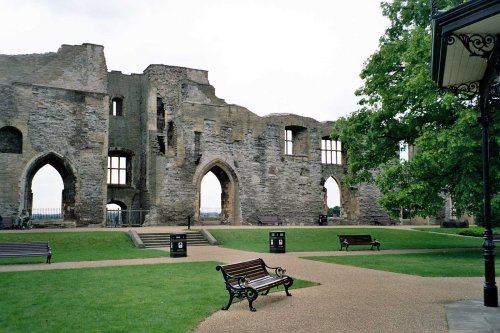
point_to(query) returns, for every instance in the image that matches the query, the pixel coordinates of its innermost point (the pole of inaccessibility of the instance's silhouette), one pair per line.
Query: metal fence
(46, 213)
(125, 218)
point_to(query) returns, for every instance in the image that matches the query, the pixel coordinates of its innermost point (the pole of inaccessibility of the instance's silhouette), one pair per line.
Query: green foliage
(319, 239)
(400, 103)
(440, 264)
(81, 246)
(335, 211)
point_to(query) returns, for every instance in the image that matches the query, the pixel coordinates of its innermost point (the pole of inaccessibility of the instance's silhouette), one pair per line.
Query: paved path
(348, 300)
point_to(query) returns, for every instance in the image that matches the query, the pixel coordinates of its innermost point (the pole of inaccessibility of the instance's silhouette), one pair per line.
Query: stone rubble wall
(61, 101)
(56, 101)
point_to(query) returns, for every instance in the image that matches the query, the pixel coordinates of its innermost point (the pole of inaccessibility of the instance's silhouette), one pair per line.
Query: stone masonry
(160, 133)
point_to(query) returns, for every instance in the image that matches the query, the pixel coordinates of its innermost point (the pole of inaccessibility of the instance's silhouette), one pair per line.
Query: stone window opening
(171, 141)
(331, 151)
(116, 108)
(197, 147)
(160, 114)
(288, 142)
(161, 143)
(11, 140)
(296, 142)
(118, 169)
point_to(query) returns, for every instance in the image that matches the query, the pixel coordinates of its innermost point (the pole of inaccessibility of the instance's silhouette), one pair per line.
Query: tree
(400, 103)
(335, 211)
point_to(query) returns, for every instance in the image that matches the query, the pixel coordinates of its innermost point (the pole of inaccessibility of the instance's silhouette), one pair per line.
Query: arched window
(116, 107)
(119, 172)
(11, 140)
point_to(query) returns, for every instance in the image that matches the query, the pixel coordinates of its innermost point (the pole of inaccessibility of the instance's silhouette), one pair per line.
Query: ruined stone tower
(145, 142)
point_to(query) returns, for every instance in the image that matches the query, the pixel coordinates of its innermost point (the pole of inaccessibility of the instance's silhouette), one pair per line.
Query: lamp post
(466, 59)
(490, 288)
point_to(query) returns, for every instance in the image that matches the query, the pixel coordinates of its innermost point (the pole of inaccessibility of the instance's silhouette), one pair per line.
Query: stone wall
(56, 101)
(245, 151)
(172, 129)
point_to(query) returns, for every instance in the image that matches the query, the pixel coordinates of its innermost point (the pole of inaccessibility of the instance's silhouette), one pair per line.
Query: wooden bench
(269, 219)
(348, 240)
(7, 223)
(247, 279)
(10, 250)
(382, 220)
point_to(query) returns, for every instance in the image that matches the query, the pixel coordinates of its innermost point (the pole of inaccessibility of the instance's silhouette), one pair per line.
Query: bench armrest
(280, 272)
(242, 281)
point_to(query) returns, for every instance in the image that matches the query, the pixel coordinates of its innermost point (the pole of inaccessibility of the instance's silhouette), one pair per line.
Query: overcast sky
(285, 56)
(270, 56)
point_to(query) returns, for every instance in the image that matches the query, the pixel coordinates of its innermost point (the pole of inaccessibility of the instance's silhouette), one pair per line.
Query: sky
(270, 56)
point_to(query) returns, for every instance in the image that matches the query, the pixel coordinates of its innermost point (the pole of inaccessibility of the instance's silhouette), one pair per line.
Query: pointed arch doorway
(68, 181)
(230, 211)
(332, 195)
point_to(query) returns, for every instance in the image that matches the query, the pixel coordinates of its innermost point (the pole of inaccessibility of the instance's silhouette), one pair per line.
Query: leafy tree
(400, 103)
(335, 211)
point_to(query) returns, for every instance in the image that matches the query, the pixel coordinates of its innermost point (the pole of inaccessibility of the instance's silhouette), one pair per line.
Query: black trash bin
(323, 220)
(178, 245)
(277, 241)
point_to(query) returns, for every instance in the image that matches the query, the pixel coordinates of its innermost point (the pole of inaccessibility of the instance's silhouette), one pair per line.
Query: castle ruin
(145, 142)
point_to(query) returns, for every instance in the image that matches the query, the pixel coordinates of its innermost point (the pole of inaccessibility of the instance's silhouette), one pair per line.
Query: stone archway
(69, 182)
(349, 197)
(116, 213)
(230, 203)
(332, 194)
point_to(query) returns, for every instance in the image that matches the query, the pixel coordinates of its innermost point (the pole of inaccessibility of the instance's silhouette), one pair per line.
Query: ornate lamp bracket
(478, 45)
(465, 91)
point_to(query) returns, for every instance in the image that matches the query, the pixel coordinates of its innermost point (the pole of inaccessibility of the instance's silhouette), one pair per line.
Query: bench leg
(250, 301)
(231, 297)
(251, 296)
(288, 285)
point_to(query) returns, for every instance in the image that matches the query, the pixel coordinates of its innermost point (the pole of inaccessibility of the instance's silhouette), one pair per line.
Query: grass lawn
(318, 239)
(449, 264)
(147, 298)
(81, 246)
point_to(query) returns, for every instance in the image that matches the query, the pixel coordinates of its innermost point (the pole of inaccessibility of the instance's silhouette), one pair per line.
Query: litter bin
(322, 220)
(178, 245)
(277, 241)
